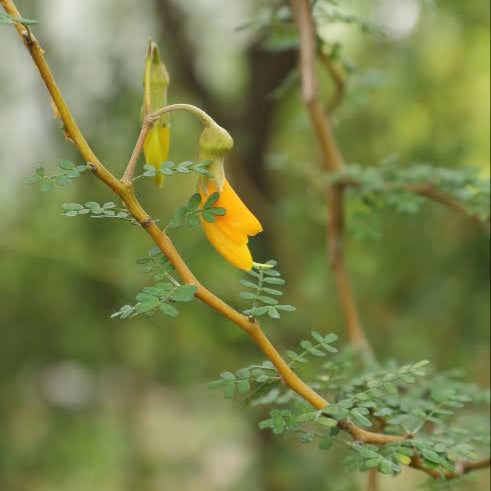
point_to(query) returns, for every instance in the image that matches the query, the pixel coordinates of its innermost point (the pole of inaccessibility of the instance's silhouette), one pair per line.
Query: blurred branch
(333, 162)
(339, 80)
(373, 477)
(430, 192)
(463, 468)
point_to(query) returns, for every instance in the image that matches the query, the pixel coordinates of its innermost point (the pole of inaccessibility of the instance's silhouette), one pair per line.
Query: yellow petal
(236, 254)
(238, 220)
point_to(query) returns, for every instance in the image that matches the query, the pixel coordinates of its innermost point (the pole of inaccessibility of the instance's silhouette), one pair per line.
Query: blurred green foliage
(93, 403)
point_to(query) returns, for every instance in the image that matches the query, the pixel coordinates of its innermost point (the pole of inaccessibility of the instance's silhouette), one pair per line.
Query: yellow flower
(228, 234)
(155, 83)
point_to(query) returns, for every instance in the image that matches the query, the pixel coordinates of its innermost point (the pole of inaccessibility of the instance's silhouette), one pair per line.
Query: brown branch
(430, 192)
(462, 468)
(126, 192)
(373, 478)
(132, 164)
(339, 80)
(148, 122)
(333, 162)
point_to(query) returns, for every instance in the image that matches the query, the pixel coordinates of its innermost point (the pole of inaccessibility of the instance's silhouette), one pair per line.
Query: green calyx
(215, 142)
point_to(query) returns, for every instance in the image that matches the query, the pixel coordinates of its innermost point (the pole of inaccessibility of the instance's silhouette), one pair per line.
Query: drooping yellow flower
(228, 234)
(155, 82)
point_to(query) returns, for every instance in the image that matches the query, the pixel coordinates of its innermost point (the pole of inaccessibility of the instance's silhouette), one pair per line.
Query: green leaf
(212, 200)
(183, 167)
(431, 456)
(47, 185)
(208, 216)
(248, 284)
(229, 376)
(150, 304)
(331, 338)
(167, 169)
(292, 355)
(268, 300)
(243, 386)
(391, 388)
(360, 418)
(273, 313)
(270, 291)
(194, 201)
(244, 373)
(386, 467)
(33, 180)
(217, 384)
(168, 310)
(329, 422)
(230, 391)
(248, 296)
(317, 352)
(192, 220)
(274, 281)
(286, 308)
(218, 211)
(66, 165)
(62, 180)
(278, 426)
(372, 463)
(306, 345)
(184, 293)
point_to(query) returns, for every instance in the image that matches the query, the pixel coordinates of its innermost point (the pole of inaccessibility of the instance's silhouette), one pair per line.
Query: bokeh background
(89, 403)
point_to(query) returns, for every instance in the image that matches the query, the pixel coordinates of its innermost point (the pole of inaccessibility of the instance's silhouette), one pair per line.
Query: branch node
(147, 222)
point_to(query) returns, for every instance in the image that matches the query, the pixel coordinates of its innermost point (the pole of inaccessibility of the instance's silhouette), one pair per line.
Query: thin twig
(129, 172)
(430, 192)
(148, 122)
(126, 193)
(462, 468)
(339, 80)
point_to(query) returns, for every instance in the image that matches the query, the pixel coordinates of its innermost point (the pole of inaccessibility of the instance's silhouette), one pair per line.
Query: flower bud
(155, 82)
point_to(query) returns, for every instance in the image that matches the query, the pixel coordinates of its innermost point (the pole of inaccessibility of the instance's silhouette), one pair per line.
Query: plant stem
(126, 192)
(148, 122)
(333, 162)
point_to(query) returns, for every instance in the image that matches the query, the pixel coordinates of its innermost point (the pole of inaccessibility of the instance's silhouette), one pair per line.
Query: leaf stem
(148, 121)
